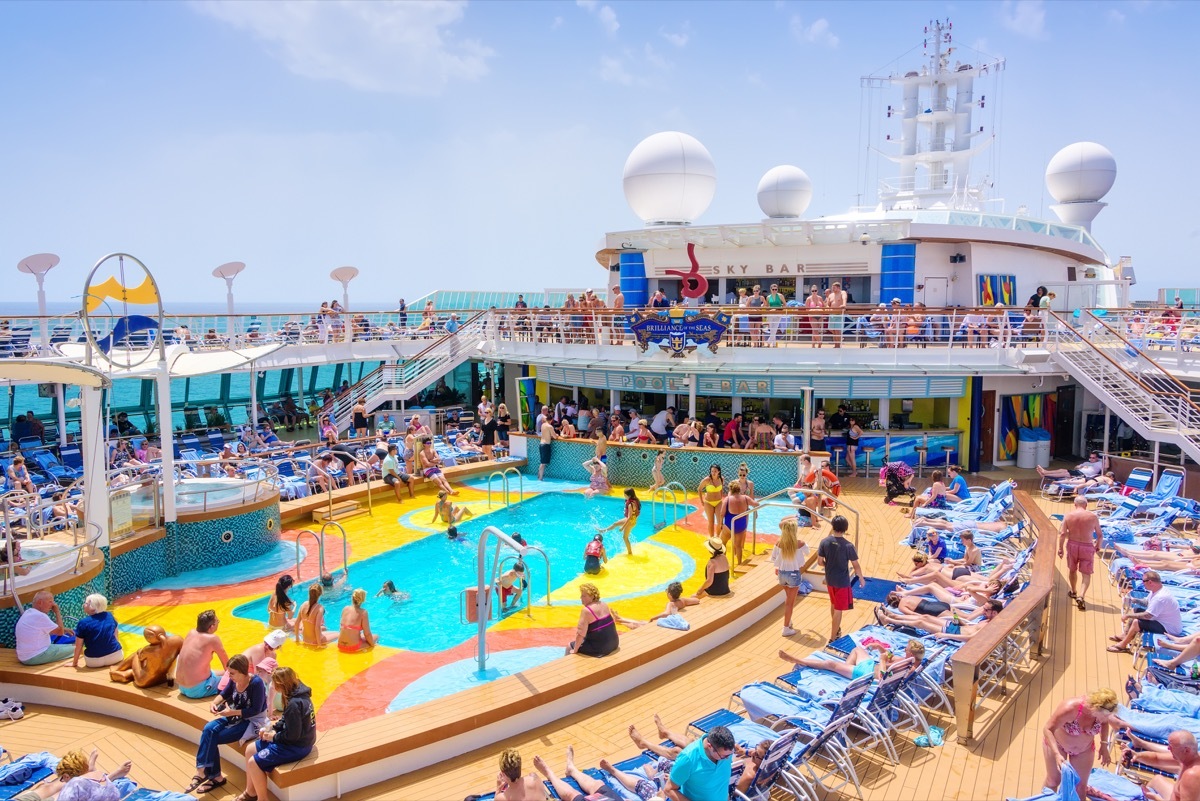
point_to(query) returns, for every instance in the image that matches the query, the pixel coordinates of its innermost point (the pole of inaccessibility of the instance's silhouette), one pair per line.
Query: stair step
(340, 511)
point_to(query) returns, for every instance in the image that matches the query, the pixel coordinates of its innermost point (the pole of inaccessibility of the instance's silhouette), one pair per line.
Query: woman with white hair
(96, 635)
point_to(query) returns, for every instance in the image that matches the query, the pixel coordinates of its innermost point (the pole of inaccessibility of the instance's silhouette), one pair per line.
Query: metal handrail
(341, 532)
(503, 474)
(529, 595)
(663, 490)
(483, 590)
(8, 574)
(320, 540)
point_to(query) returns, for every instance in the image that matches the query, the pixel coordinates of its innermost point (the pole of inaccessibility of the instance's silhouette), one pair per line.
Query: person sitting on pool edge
(512, 584)
(594, 555)
(445, 510)
(193, 669)
(354, 633)
(676, 603)
(596, 633)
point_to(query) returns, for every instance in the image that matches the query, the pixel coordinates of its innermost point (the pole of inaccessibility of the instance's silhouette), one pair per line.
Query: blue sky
(481, 145)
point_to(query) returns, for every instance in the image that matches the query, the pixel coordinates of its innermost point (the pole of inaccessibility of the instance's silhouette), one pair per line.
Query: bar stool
(946, 451)
(922, 459)
(837, 451)
(867, 458)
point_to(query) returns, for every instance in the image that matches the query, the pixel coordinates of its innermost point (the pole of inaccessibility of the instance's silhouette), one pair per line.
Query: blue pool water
(529, 484)
(464, 674)
(280, 559)
(435, 570)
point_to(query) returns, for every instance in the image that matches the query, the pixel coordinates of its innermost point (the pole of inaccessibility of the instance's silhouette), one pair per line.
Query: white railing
(1146, 396)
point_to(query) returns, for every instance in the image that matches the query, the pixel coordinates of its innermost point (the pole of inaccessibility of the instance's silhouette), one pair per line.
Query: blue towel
(20, 771)
(674, 622)
(1117, 786)
(764, 700)
(1158, 726)
(1162, 700)
(1070, 780)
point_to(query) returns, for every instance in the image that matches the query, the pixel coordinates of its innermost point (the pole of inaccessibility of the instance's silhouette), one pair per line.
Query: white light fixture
(344, 275)
(38, 265)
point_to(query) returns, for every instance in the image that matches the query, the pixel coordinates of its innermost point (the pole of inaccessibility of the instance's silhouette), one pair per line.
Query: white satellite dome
(669, 178)
(784, 191)
(1081, 173)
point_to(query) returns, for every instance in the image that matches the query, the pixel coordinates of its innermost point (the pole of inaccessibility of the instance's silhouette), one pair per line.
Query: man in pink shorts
(1080, 533)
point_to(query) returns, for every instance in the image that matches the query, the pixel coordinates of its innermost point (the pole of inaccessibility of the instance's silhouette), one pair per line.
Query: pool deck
(1003, 759)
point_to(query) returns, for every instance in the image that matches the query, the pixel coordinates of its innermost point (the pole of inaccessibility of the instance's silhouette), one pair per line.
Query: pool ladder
(483, 588)
(505, 484)
(319, 538)
(662, 492)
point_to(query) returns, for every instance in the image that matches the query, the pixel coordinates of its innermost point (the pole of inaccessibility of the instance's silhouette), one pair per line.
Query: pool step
(340, 511)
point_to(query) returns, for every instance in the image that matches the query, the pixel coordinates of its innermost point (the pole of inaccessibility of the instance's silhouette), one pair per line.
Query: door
(1064, 423)
(987, 428)
(935, 293)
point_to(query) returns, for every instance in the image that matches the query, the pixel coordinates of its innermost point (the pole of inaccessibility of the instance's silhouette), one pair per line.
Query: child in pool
(676, 603)
(389, 591)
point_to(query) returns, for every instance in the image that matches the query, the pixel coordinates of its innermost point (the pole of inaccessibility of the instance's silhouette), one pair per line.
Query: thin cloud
(404, 47)
(678, 38)
(613, 70)
(655, 59)
(817, 33)
(1116, 17)
(556, 24)
(604, 14)
(1025, 18)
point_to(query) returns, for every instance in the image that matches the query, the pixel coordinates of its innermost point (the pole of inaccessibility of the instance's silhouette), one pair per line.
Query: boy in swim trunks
(512, 584)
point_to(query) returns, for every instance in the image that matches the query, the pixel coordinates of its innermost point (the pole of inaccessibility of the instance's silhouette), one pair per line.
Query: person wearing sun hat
(268, 647)
(716, 572)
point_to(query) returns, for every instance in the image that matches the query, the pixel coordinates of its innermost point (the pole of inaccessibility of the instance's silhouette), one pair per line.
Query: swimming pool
(435, 570)
(201, 494)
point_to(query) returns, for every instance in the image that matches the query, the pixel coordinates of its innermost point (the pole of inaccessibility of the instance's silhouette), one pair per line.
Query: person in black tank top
(716, 580)
(596, 634)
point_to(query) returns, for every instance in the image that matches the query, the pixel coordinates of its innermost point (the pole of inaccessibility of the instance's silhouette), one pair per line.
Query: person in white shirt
(40, 639)
(784, 441)
(663, 422)
(1161, 616)
(484, 407)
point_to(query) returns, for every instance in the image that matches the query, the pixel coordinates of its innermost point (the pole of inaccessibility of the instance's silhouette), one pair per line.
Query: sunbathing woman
(445, 510)
(943, 627)
(967, 593)
(861, 661)
(355, 631)
(310, 620)
(279, 608)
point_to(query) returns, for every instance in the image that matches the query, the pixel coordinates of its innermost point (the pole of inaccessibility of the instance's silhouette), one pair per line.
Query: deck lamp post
(229, 271)
(344, 275)
(38, 265)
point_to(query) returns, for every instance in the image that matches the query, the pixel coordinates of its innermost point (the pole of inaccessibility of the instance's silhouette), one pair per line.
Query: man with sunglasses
(701, 771)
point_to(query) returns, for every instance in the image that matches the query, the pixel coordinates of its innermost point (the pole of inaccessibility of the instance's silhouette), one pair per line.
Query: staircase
(1151, 400)
(399, 382)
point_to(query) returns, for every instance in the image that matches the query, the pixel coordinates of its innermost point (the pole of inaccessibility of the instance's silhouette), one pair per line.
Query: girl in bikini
(1071, 732)
(445, 509)
(280, 606)
(656, 471)
(633, 508)
(310, 620)
(712, 490)
(355, 631)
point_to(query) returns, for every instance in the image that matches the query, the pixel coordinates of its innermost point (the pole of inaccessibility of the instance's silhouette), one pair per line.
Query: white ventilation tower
(936, 129)
(1078, 177)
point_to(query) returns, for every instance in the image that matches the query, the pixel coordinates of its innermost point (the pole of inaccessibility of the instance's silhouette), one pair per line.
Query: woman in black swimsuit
(716, 572)
(596, 634)
(490, 427)
(503, 421)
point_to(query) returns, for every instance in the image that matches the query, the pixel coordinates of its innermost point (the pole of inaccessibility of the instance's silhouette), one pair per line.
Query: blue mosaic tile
(70, 603)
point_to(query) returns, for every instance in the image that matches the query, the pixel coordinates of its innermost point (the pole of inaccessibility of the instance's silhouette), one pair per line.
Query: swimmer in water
(389, 591)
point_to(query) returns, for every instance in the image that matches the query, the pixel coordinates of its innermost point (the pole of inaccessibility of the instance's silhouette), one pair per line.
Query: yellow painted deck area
(1004, 760)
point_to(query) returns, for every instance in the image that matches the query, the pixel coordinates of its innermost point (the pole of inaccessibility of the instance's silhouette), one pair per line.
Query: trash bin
(1043, 447)
(1026, 449)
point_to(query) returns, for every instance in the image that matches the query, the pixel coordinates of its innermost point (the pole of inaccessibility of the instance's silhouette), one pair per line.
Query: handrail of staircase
(520, 483)
(1182, 395)
(320, 540)
(1140, 354)
(425, 355)
(681, 487)
(503, 486)
(341, 532)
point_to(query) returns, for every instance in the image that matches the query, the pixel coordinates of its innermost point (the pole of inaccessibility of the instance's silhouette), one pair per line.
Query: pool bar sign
(678, 331)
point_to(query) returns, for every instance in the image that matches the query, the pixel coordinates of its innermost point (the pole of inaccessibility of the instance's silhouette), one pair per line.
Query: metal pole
(45, 323)
(229, 306)
(1107, 419)
(808, 396)
(166, 439)
(693, 411)
(60, 397)
(93, 444)
(253, 397)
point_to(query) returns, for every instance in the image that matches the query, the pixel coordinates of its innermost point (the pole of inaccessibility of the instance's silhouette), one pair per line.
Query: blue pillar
(898, 272)
(634, 285)
(976, 424)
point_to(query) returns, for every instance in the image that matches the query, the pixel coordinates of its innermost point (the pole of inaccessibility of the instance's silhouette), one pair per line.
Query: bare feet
(784, 655)
(570, 759)
(541, 766)
(607, 767)
(662, 730)
(122, 771)
(637, 738)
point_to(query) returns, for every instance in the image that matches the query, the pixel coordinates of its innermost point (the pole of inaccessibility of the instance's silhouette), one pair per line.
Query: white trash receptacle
(1026, 454)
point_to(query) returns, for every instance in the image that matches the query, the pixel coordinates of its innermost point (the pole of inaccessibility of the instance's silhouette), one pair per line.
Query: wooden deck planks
(1006, 760)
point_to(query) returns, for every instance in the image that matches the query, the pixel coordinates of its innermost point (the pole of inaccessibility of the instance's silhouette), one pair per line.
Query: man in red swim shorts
(836, 554)
(1080, 533)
